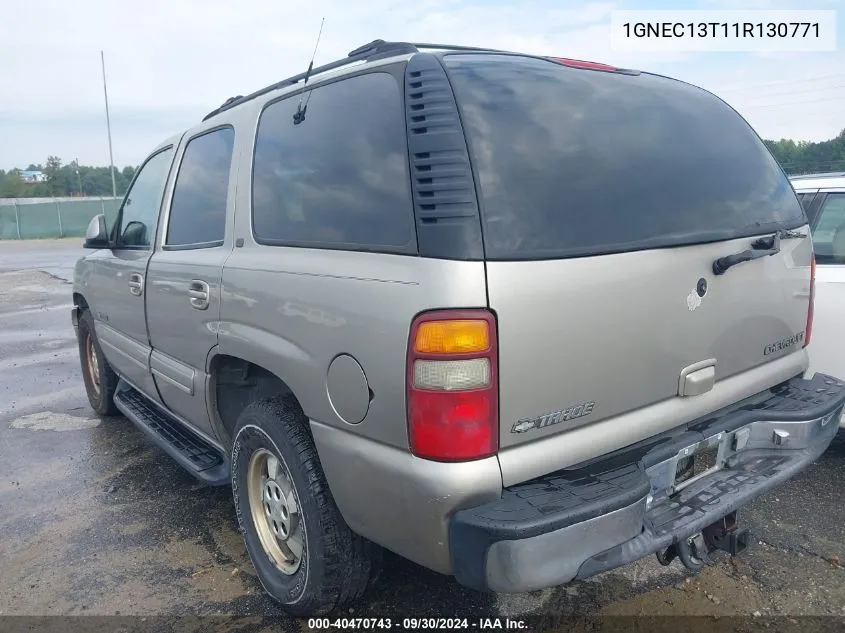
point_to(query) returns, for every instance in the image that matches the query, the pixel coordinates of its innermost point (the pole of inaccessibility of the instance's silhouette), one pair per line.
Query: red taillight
(809, 329)
(452, 380)
(578, 63)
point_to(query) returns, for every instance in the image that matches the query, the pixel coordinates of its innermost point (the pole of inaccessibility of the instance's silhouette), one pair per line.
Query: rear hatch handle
(761, 247)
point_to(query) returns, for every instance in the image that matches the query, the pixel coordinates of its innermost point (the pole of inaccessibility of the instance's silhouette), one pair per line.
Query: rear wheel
(100, 379)
(305, 555)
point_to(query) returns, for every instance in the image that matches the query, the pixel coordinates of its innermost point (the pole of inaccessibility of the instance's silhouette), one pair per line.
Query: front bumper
(576, 523)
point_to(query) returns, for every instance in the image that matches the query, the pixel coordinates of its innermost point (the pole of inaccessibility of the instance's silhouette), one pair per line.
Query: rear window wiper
(769, 240)
(761, 247)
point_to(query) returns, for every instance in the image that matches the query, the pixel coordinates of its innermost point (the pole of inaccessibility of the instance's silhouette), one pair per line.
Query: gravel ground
(94, 520)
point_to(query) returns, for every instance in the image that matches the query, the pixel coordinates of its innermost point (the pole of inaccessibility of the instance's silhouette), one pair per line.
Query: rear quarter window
(339, 179)
(578, 162)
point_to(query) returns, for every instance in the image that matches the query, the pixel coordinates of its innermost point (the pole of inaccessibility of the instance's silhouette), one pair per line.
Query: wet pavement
(96, 520)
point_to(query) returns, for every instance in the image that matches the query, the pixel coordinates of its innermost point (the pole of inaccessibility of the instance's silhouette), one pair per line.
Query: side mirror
(97, 235)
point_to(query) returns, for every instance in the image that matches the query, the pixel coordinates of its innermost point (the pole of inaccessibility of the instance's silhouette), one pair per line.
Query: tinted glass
(806, 199)
(339, 177)
(198, 208)
(573, 161)
(143, 201)
(829, 231)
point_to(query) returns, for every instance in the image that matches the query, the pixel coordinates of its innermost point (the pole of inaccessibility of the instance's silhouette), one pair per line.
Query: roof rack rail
(362, 53)
(369, 51)
(452, 47)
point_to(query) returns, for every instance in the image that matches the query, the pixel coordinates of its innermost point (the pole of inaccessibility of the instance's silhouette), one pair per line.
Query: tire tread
(108, 378)
(350, 560)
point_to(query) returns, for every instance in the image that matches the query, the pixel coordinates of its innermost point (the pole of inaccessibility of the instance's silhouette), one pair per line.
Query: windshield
(576, 162)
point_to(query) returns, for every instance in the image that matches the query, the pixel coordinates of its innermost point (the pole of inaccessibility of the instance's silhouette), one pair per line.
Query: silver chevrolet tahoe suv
(518, 319)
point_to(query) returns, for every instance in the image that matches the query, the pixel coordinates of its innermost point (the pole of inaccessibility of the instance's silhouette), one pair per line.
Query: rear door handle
(198, 291)
(136, 284)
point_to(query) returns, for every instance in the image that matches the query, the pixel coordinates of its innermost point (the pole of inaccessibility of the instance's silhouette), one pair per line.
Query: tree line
(804, 157)
(73, 179)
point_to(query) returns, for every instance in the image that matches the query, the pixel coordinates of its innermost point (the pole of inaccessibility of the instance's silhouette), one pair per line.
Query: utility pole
(108, 126)
(78, 177)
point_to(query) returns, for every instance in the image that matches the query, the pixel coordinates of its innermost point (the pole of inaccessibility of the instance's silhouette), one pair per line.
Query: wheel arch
(235, 382)
(80, 301)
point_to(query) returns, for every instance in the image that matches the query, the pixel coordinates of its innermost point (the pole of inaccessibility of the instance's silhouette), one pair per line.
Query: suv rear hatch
(606, 197)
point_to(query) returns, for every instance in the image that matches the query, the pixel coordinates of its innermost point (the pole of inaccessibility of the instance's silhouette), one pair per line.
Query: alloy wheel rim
(275, 512)
(93, 364)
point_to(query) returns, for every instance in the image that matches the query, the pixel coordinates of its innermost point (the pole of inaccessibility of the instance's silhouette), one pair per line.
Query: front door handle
(136, 284)
(198, 291)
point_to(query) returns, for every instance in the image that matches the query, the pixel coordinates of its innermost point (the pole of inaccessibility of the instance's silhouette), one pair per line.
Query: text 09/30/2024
(413, 624)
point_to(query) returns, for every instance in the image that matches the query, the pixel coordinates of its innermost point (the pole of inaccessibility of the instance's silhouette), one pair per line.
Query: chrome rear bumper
(580, 522)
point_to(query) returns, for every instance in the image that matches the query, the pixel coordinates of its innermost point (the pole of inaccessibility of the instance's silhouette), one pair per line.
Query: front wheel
(305, 555)
(98, 376)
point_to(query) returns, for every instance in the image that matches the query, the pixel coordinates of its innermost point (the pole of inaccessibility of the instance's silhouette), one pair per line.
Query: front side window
(139, 213)
(198, 208)
(339, 178)
(829, 230)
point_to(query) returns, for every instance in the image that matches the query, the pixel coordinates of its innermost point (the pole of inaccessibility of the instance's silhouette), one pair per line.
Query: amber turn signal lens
(452, 337)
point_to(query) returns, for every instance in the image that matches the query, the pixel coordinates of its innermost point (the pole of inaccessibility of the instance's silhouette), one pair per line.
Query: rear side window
(340, 177)
(578, 162)
(198, 209)
(829, 230)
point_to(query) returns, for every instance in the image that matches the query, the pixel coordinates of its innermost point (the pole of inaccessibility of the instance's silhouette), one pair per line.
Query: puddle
(50, 421)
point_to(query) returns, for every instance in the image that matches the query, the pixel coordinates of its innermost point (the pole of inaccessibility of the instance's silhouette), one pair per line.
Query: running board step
(192, 452)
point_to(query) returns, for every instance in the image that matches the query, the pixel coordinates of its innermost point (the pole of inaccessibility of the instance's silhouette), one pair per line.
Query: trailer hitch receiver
(724, 535)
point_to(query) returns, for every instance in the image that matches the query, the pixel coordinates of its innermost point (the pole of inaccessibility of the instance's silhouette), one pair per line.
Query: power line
(805, 90)
(774, 105)
(777, 83)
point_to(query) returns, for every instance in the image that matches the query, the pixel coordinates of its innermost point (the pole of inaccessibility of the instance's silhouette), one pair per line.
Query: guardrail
(34, 218)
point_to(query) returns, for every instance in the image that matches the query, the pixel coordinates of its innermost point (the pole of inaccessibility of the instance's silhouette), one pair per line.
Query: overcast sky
(170, 62)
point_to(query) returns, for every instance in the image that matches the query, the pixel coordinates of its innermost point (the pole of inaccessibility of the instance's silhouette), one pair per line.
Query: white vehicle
(823, 197)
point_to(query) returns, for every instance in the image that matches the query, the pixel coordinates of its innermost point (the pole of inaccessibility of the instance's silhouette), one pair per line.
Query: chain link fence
(33, 218)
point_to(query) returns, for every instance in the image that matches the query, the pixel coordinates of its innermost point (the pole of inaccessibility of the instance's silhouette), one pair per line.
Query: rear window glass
(576, 162)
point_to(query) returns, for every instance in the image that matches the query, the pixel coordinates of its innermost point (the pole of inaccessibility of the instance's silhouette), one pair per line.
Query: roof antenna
(299, 115)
